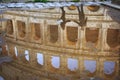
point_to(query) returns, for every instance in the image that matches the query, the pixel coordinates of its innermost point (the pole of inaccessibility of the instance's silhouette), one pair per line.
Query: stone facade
(37, 31)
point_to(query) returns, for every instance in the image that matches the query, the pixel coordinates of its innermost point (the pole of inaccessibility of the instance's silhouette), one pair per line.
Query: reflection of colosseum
(42, 50)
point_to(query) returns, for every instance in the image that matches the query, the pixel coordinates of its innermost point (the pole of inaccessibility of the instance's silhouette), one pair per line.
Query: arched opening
(72, 35)
(109, 67)
(53, 33)
(36, 32)
(55, 61)
(90, 65)
(16, 51)
(21, 29)
(72, 64)
(92, 34)
(26, 55)
(113, 37)
(9, 25)
(40, 59)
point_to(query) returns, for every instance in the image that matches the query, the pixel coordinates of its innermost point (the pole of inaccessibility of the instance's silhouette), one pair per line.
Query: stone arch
(92, 34)
(21, 28)
(36, 31)
(9, 26)
(113, 37)
(53, 31)
(71, 32)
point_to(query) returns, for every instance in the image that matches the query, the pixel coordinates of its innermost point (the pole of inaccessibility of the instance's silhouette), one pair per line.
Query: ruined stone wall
(37, 31)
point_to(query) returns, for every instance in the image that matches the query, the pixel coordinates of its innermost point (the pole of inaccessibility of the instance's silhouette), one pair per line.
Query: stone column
(79, 38)
(117, 68)
(98, 66)
(83, 38)
(21, 56)
(99, 43)
(63, 64)
(62, 36)
(14, 28)
(12, 51)
(47, 62)
(104, 38)
(101, 67)
(28, 32)
(81, 65)
(33, 57)
(44, 31)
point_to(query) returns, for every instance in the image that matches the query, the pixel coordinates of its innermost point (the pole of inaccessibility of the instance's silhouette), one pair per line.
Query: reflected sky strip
(90, 65)
(55, 61)
(40, 58)
(109, 67)
(16, 51)
(27, 55)
(72, 64)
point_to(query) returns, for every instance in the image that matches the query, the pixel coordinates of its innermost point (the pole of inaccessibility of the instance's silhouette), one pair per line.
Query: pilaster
(33, 57)
(63, 64)
(104, 38)
(81, 65)
(21, 55)
(83, 38)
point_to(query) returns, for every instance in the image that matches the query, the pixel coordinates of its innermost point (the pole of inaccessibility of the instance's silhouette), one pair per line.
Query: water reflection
(90, 65)
(27, 55)
(55, 61)
(109, 67)
(40, 58)
(72, 64)
(16, 52)
(1, 78)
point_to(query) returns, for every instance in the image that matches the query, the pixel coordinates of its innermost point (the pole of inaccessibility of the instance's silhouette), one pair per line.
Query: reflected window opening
(53, 33)
(55, 61)
(40, 59)
(26, 55)
(72, 64)
(72, 34)
(9, 25)
(16, 51)
(21, 28)
(109, 67)
(90, 65)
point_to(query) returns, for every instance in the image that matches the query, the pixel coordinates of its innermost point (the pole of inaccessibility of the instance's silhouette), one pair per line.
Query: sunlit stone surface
(40, 49)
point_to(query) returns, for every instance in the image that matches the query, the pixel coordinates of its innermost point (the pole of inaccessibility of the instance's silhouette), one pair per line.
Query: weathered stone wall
(91, 43)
